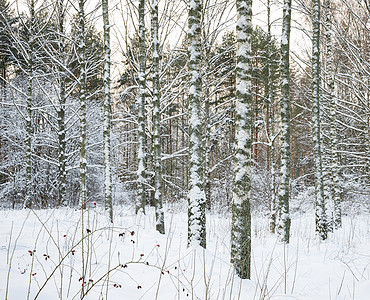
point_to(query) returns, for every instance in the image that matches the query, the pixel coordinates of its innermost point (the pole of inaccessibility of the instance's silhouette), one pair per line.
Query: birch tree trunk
(333, 146)
(283, 225)
(107, 113)
(241, 215)
(207, 133)
(321, 222)
(159, 213)
(141, 174)
(30, 74)
(270, 128)
(196, 194)
(82, 83)
(62, 107)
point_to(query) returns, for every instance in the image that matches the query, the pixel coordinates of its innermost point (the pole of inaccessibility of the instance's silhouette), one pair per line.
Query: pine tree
(196, 195)
(107, 113)
(159, 213)
(7, 21)
(283, 225)
(241, 215)
(321, 222)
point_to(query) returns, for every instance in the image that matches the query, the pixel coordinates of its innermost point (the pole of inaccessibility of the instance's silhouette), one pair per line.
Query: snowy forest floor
(41, 257)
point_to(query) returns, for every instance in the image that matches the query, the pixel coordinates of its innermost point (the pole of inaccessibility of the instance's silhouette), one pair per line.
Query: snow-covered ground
(41, 256)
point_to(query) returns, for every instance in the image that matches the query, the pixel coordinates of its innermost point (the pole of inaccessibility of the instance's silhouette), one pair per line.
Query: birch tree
(107, 113)
(321, 222)
(283, 225)
(30, 74)
(241, 215)
(333, 141)
(196, 194)
(141, 171)
(61, 109)
(82, 84)
(159, 213)
(270, 121)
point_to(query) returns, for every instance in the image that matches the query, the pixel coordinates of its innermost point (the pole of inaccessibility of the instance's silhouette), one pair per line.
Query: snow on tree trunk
(241, 215)
(107, 113)
(283, 223)
(61, 108)
(159, 213)
(28, 200)
(270, 129)
(141, 178)
(30, 74)
(207, 135)
(333, 146)
(82, 83)
(196, 195)
(321, 222)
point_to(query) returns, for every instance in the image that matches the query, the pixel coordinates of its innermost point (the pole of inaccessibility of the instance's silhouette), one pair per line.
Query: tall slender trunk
(3, 79)
(82, 83)
(241, 214)
(321, 222)
(333, 146)
(283, 225)
(196, 195)
(270, 125)
(61, 108)
(30, 74)
(83, 129)
(207, 135)
(141, 171)
(107, 113)
(159, 213)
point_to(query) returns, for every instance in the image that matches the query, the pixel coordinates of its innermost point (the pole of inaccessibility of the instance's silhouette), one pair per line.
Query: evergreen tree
(241, 215)
(7, 22)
